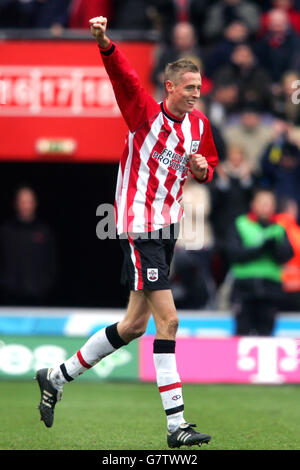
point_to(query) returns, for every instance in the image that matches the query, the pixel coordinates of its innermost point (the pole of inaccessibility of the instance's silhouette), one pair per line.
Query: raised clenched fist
(98, 27)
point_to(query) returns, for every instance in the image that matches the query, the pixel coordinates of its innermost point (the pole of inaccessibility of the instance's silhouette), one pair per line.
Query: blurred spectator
(288, 7)
(287, 217)
(280, 165)
(278, 49)
(284, 105)
(27, 254)
(131, 14)
(222, 103)
(284, 129)
(296, 65)
(235, 33)
(192, 280)
(184, 44)
(34, 14)
(232, 190)
(9, 14)
(81, 11)
(264, 5)
(257, 247)
(252, 80)
(224, 12)
(50, 14)
(166, 13)
(219, 140)
(251, 133)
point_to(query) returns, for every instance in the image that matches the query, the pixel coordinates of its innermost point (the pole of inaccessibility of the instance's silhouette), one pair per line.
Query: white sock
(99, 345)
(168, 382)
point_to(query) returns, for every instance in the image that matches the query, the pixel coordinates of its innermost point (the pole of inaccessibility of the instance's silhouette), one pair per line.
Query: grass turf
(113, 416)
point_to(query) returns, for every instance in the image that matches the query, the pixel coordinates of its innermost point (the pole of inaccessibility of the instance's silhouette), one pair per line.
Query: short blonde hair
(175, 70)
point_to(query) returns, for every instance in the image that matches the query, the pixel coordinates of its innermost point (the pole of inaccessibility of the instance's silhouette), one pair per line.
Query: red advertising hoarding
(57, 103)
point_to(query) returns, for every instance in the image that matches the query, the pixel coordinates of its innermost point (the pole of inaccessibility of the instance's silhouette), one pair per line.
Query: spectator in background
(278, 49)
(184, 45)
(9, 14)
(51, 14)
(217, 134)
(224, 12)
(280, 165)
(222, 103)
(232, 190)
(234, 34)
(264, 5)
(288, 212)
(288, 6)
(131, 14)
(257, 247)
(252, 80)
(81, 11)
(284, 129)
(192, 280)
(27, 254)
(283, 104)
(251, 133)
(296, 65)
(166, 14)
(231, 193)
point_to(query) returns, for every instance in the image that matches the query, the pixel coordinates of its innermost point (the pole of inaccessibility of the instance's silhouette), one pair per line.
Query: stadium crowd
(249, 55)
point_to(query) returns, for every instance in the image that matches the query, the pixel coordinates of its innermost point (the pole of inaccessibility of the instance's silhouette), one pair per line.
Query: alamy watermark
(190, 230)
(296, 94)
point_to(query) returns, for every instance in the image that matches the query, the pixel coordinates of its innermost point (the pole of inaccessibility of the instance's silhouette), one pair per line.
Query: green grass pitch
(119, 416)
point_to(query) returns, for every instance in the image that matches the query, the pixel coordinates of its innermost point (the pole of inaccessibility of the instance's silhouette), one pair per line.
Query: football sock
(168, 382)
(99, 345)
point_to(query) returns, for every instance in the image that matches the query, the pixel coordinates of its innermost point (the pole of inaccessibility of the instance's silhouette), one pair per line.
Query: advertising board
(57, 103)
(22, 356)
(248, 360)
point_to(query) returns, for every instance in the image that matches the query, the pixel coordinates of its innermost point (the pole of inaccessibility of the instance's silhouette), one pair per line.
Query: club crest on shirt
(152, 274)
(195, 146)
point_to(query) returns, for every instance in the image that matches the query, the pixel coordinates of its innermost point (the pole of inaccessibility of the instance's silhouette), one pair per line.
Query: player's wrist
(204, 176)
(104, 43)
(201, 175)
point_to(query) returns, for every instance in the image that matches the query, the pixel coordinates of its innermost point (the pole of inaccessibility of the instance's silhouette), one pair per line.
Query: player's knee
(133, 330)
(167, 327)
(172, 325)
(138, 330)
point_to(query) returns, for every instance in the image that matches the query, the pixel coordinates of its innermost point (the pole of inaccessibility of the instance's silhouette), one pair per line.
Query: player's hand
(98, 27)
(198, 165)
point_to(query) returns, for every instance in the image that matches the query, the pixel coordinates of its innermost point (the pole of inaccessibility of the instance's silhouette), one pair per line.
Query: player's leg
(152, 257)
(167, 377)
(101, 344)
(169, 384)
(105, 341)
(136, 319)
(164, 312)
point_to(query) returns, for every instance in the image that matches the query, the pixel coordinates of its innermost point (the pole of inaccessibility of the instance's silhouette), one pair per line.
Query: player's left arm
(203, 163)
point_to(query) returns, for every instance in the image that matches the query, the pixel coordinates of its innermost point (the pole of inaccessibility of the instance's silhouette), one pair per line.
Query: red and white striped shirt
(155, 161)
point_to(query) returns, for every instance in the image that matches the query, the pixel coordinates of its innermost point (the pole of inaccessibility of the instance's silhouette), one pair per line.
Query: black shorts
(147, 258)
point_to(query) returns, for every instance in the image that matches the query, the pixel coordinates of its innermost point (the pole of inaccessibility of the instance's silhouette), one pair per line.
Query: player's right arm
(98, 27)
(136, 105)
